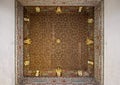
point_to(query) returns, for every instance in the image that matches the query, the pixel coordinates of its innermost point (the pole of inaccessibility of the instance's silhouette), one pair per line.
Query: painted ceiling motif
(62, 40)
(59, 2)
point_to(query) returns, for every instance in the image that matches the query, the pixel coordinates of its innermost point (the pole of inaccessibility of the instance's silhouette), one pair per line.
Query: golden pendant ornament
(89, 42)
(37, 73)
(28, 41)
(58, 11)
(59, 71)
(79, 72)
(26, 63)
(90, 21)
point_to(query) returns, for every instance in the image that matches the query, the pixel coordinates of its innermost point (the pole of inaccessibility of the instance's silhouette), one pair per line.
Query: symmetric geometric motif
(71, 54)
(22, 80)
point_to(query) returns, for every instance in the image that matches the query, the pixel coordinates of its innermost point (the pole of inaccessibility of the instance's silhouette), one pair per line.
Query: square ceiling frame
(98, 37)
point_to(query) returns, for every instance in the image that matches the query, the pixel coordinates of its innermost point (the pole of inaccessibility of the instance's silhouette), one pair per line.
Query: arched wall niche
(98, 44)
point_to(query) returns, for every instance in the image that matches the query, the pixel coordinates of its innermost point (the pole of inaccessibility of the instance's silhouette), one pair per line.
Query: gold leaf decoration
(26, 63)
(89, 41)
(90, 21)
(28, 41)
(90, 62)
(37, 73)
(58, 11)
(59, 71)
(79, 72)
(37, 9)
(26, 19)
(58, 41)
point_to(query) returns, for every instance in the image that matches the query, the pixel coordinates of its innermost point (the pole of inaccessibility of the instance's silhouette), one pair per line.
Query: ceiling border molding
(59, 2)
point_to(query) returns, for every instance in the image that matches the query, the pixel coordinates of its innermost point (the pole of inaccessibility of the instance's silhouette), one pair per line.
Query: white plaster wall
(112, 42)
(7, 42)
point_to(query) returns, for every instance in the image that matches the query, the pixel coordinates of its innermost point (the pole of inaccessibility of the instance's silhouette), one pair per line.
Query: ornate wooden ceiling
(59, 2)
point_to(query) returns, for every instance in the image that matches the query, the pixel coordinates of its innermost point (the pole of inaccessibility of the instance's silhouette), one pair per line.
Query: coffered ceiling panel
(59, 2)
